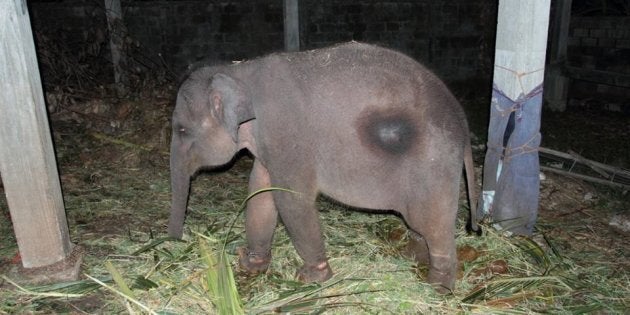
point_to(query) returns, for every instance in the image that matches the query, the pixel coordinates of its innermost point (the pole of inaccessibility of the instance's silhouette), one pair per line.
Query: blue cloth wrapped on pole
(511, 168)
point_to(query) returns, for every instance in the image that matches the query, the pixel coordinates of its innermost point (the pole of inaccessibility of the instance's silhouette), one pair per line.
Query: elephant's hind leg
(434, 220)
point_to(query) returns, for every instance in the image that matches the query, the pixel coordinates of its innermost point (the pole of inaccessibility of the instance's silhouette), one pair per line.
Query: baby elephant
(364, 125)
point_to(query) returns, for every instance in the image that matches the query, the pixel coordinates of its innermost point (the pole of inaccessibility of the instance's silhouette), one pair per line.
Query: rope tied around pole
(509, 153)
(524, 148)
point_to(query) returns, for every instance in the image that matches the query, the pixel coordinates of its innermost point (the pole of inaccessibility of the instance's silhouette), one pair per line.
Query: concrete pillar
(27, 159)
(510, 179)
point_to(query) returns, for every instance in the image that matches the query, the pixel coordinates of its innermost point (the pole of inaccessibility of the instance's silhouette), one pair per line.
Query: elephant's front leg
(261, 219)
(301, 219)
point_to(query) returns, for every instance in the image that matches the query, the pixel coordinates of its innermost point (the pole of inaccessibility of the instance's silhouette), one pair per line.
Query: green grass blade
(118, 279)
(507, 287)
(220, 281)
(40, 294)
(127, 297)
(143, 283)
(530, 247)
(72, 288)
(155, 243)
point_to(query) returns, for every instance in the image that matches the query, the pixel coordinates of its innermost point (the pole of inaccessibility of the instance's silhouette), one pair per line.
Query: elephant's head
(207, 115)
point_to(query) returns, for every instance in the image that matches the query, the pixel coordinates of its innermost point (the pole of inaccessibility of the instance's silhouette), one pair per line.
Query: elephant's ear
(230, 102)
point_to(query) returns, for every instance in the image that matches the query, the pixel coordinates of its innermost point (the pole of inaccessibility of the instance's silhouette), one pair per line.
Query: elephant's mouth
(217, 168)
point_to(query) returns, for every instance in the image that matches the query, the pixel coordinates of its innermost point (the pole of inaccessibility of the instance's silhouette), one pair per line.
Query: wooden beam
(116, 42)
(559, 36)
(27, 160)
(556, 83)
(585, 177)
(291, 26)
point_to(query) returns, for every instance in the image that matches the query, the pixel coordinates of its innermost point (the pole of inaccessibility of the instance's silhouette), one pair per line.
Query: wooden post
(556, 83)
(511, 169)
(27, 160)
(116, 41)
(291, 26)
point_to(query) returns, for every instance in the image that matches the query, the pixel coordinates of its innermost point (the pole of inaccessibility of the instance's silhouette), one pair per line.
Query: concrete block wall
(600, 42)
(185, 32)
(454, 38)
(445, 35)
(601, 47)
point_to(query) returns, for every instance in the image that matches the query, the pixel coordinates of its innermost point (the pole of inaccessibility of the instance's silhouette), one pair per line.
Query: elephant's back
(375, 101)
(387, 98)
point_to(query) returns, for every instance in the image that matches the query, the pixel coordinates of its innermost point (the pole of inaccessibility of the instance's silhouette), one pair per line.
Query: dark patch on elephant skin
(393, 132)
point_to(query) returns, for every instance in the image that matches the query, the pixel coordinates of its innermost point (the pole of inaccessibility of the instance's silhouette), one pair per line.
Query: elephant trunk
(180, 188)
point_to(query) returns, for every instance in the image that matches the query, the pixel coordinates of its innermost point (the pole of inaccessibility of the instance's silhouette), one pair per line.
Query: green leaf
(220, 281)
(118, 279)
(154, 244)
(143, 283)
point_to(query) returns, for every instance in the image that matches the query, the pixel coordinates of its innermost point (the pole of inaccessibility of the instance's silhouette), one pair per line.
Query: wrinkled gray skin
(366, 126)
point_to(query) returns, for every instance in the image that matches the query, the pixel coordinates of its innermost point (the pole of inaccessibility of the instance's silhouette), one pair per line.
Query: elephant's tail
(470, 183)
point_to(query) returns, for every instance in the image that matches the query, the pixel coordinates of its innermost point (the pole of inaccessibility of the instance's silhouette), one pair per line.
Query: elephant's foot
(252, 262)
(315, 273)
(442, 273)
(442, 282)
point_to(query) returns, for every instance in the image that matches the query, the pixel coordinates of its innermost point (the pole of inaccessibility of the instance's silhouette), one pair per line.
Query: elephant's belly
(363, 201)
(368, 189)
